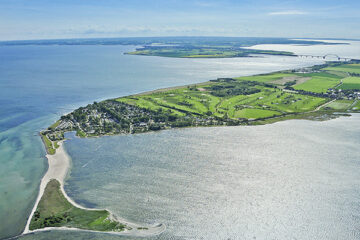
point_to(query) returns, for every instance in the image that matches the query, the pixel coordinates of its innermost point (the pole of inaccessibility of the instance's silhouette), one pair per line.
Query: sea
(289, 180)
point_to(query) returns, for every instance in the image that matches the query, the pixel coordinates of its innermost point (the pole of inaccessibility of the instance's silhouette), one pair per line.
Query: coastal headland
(315, 93)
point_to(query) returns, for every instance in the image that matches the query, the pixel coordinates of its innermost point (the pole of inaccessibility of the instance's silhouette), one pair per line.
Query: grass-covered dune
(54, 210)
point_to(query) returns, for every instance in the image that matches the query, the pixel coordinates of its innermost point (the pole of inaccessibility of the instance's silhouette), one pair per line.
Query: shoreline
(58, 167)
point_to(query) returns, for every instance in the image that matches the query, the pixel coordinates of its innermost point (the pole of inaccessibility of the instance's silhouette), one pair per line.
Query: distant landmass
(210, 41)
(183, 47)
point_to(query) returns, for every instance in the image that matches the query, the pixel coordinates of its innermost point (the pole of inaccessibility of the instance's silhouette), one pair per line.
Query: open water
(213, 183)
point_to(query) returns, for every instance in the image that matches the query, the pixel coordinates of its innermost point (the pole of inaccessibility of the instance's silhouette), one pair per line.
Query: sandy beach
(59, 165)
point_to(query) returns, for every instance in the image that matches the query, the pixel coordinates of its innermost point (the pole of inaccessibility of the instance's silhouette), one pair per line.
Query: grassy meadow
(350, 83)
(319, 82)
(349, 68)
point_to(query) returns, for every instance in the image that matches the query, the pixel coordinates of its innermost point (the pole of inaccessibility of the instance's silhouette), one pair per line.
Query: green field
(234, 99)
(319, 82)
(350, 68)
(55, 211)
(350, 83)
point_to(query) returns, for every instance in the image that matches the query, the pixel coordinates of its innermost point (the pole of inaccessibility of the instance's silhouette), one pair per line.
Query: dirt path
(323, 105)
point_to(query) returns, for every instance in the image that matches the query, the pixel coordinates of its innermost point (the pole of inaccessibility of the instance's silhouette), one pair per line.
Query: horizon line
(176, 36)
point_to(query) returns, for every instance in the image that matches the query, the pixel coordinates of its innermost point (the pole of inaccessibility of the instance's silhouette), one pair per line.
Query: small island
(317, 93)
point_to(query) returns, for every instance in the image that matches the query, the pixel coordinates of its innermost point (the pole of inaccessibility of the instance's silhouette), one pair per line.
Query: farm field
(350, 83)
(319, 82)
(350, 68)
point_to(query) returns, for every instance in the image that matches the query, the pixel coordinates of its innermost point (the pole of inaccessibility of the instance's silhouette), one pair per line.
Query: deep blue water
(40, 83)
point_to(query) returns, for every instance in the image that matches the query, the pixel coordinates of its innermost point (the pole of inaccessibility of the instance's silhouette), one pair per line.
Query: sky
(54, 19)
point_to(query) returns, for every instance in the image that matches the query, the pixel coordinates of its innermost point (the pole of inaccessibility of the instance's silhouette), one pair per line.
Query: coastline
(58, 167)
(59, 164)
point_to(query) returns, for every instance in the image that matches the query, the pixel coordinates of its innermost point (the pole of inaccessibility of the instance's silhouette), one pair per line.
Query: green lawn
(319, 82)
(55, 211)
(340, 105)
(350, 83)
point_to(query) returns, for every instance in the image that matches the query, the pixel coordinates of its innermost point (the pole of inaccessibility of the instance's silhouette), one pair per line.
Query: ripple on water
(293, 179)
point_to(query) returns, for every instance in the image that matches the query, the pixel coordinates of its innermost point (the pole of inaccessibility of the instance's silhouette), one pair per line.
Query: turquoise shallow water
(40, 83)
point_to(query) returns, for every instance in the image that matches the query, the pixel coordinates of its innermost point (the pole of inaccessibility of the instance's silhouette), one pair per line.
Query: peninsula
(314, 93)
(303, 93)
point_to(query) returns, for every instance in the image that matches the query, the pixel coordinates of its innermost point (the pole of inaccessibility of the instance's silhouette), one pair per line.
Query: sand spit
(59, 165)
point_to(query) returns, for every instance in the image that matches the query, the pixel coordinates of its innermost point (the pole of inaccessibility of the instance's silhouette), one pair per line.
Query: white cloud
(288, 12)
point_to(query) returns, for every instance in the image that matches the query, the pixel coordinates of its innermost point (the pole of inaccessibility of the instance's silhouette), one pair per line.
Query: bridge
(329, 56)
